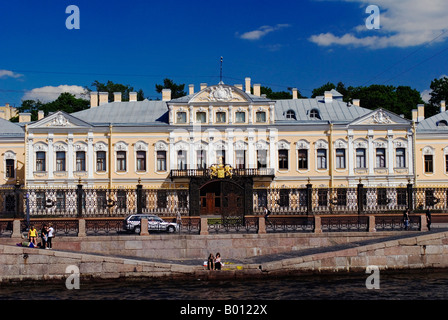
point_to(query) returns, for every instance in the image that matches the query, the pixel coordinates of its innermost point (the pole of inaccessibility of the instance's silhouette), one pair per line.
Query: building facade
(225, 149)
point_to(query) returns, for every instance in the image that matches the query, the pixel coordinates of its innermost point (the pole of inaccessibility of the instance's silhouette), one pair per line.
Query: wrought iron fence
(344, 223)
(233, 225)
(395, 222)
(290, 224)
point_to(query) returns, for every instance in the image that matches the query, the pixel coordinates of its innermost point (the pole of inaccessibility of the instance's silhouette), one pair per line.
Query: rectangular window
(380, 158)
(220, 117)
(40, 161)
(181, 117)
(161, 160)
(400, 155)
(260, 116)
(201, 159)
(303, 158)
(10, 168)
(429, 165)
(182, 160)
(121, 160)
(80, 161)
(340, 158)
(201, 117)
(240, 117)
(101, 161)
(60, 160)
(262, 159)
(321, 158)
(141, 160)
(240, 156)
(283, 159)
(361, 158)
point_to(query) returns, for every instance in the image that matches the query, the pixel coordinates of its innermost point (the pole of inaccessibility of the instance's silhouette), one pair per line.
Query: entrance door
(222, 198)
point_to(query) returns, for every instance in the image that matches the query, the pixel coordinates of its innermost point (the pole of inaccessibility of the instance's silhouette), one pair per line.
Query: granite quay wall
(415, 252)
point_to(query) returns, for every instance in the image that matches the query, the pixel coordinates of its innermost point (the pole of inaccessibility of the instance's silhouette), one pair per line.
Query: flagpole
(220, 73)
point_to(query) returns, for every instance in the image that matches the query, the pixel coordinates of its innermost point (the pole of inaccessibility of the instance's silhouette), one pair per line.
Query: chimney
(328, 97)
(93, 99)
(166, 94)
(420, 112)
(257, 89)
(40, 114)
(191, 88)
(294, 93)
(104, 97)
(414, 115)
(442, 106)
(132, 96)
(356, 102)
(117, 96)
(203, 86)
(247, 85)
(25, 117)
(239, 86)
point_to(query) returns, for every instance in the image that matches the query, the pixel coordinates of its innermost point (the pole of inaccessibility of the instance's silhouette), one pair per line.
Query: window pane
(10, 168)
(80, 161)
(141, 160)
(321, 159)
(121, 160)
(101, 161)
(181, 117)
(40, 161)
(380, 158)
(283, 159)
(240, 117)
(428, 164)
(240, 159)
(220, 117)
(182, 160)
(360, 158)
(262, 159)
(161, 160)
(340, 158)
(60, 161)
(201, 159)
(400, 157)
(261, 116)
(303, 158)
(201, 117)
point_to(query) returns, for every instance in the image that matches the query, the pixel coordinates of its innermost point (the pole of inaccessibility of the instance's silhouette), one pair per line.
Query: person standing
(32, 235)
(44, 236)
(50, 236)
(267, 213)
(406, 219)
(428, 219)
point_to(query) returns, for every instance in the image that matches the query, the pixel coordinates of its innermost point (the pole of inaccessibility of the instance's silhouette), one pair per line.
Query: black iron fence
(82, 201)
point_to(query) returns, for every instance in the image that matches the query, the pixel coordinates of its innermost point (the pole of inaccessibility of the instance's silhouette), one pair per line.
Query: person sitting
(211, 262)
(218, 263)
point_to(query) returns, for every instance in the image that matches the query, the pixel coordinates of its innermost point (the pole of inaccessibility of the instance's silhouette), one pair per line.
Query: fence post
(372, 223)
(317, 224)
(17, 197)
(16, 232)
(204, 226)
(410, 192)
(360, 196)
(139, 196)
(79, 193)
(144, 227)
(82, 228)
(309, 198)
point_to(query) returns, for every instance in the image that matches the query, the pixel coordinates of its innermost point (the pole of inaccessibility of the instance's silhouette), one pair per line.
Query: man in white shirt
(50, 236)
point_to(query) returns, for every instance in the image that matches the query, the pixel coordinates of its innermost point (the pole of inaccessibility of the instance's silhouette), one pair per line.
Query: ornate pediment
(380, 117)
(220, 93)
(61, 120)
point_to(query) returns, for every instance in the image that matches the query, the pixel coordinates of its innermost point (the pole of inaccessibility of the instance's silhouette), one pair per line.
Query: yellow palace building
(225, 149)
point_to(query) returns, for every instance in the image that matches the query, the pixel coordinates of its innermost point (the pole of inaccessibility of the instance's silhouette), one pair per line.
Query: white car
(155, 223)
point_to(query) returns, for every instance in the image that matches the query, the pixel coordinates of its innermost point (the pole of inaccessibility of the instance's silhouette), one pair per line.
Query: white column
(90, 155)
(230, 115)
(251, 116)
(172, 162)
(50, 156)
(211, 159)
(410, 154)
(371, 153)
(272, 149)
(351, 154)
(230, 154)
(251, 149)
(30, 169)
(191, 116)
(210, 115)
(191, 153)
(70, 155)
(390, 151)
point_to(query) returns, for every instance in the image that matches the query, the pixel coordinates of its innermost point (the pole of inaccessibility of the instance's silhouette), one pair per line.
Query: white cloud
(50, 93)
(262, 31)
(426, 94)
(9, 74)
(403, 23)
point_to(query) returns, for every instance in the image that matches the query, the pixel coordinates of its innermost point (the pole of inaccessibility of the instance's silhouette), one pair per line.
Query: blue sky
(279, 44)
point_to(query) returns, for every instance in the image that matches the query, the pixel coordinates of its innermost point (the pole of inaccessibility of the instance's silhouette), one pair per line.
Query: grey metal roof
(10, 129)
(335, 111)
(133, 112)
(432, 124)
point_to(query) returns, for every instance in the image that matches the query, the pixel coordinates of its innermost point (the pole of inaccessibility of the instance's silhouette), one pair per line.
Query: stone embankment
(341, 253)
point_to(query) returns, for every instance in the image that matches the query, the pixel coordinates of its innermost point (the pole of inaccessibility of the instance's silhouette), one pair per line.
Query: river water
(407, 285)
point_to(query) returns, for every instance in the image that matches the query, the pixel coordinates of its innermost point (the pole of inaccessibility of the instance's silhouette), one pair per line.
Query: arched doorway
(225, 198)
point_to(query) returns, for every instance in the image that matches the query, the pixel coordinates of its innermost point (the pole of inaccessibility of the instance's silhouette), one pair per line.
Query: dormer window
(290, 114)
(442, 123)
(181, 117)
(314, 114)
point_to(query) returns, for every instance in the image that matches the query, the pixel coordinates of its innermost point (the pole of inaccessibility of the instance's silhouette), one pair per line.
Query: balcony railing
(247, 172)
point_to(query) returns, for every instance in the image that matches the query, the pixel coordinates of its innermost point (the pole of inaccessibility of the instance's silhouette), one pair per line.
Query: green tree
(439, 92)
(177, 90)
(112, 87)
(279, 95)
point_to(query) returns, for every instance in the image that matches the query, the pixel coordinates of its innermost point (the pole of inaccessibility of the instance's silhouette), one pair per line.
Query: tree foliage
(177, 90)
(112, 87)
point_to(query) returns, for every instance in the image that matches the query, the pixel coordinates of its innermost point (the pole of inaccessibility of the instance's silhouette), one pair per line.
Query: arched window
(314, 114)
(442, 123)
(290, 114)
